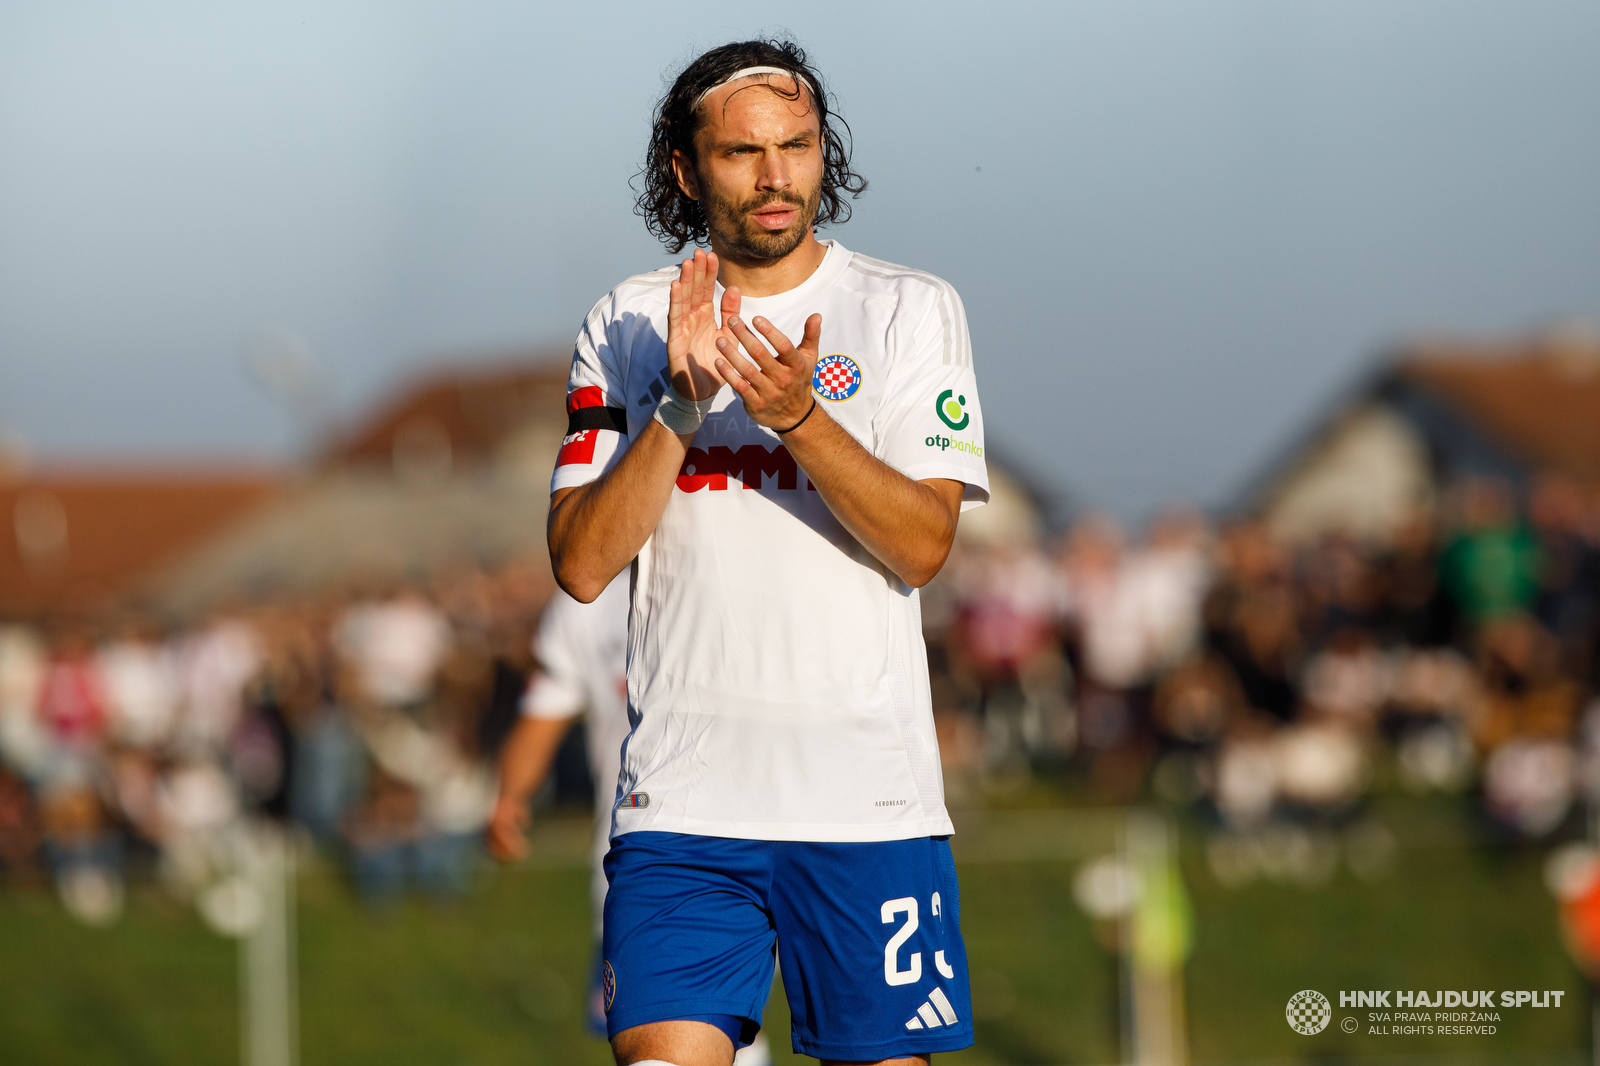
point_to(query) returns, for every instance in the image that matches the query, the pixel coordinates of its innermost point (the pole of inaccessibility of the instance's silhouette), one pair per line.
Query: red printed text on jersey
(710, 468)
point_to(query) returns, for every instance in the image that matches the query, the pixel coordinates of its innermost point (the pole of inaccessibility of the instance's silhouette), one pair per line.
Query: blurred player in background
(777, 440)
(580, 652)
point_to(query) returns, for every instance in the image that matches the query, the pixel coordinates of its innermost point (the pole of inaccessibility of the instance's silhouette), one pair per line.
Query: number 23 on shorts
(892, 973)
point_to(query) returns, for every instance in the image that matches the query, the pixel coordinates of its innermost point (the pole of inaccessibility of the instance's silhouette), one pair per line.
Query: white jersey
(582, 652)
(777, 679)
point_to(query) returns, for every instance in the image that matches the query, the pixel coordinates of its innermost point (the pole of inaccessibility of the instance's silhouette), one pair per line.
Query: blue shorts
(868, 935)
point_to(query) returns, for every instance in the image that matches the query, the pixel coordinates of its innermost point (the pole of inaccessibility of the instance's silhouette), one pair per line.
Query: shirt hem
(953, 471)
(561, 480)
(813, 832)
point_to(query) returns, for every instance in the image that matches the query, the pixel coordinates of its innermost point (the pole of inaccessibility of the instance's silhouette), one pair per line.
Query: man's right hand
(508, 830)
(692, 329)
(596, 529)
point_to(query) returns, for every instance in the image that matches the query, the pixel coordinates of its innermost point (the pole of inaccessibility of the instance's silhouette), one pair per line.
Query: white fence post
(269, 1029)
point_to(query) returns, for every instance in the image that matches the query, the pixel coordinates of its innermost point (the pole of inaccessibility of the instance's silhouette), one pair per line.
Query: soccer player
(776, 439)
(581, 655)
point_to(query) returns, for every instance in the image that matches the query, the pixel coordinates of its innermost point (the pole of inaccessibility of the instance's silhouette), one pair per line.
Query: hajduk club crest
(837, 378)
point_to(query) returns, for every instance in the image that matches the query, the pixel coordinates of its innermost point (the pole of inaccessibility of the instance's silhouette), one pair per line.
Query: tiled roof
(74, 540)
(475, 409)
(1539, 399)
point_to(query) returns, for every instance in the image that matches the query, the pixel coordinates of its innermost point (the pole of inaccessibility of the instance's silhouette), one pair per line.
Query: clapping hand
(692, 331)
(776, 389)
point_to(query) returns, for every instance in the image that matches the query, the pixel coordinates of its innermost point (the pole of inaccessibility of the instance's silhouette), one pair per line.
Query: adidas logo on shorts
(927, 1019)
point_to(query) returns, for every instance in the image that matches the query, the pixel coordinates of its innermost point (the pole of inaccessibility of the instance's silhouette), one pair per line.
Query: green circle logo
(952, 409)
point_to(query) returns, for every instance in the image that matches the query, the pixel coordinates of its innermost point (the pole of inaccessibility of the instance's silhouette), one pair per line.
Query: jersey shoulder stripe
(952, 316)
(653, 284)
(650, 281)
(640, 288)
(634, 287)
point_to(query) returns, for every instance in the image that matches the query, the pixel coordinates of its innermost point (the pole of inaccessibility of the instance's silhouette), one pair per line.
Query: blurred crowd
(1273, 687)
(367, 716)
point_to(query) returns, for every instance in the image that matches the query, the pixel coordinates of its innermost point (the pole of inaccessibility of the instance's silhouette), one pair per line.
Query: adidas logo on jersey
(652, 395)
(935, 1012)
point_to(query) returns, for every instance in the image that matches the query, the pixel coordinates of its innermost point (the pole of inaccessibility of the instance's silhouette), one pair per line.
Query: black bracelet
(797, 425)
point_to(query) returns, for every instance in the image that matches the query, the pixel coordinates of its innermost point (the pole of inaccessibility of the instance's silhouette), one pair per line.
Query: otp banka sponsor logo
(710, 468)
(952, 410)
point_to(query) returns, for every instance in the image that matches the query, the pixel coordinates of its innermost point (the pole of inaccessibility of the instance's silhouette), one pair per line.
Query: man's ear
(683, 170)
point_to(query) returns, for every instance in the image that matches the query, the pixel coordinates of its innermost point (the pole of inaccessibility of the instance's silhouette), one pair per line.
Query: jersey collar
(804, 295)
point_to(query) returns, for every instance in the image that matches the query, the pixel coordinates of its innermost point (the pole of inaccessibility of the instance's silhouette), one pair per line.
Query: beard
(737, 231)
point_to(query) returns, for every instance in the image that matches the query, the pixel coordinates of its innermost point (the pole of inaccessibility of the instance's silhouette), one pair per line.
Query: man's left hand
(776, 390)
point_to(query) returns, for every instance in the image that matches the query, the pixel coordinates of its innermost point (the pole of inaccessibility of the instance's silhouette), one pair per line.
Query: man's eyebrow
(728, 146)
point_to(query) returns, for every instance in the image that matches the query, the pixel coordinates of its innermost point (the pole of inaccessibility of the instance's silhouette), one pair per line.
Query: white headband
(745, 73)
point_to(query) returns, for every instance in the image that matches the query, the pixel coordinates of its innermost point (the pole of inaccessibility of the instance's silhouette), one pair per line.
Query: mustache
(751, 206)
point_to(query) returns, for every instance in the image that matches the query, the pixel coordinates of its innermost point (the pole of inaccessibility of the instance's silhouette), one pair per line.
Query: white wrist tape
(681, 415)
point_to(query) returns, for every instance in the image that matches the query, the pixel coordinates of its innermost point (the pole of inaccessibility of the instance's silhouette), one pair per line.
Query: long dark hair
(678, 221)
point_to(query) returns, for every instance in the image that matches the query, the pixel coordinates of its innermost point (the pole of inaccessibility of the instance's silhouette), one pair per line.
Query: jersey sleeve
(556, 689)
(930, 424)
(597, 417)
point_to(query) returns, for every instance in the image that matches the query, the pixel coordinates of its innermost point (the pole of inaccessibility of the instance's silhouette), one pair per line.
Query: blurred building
(454, 469)
(78, 539)
(1020, 511)
(1436, 412)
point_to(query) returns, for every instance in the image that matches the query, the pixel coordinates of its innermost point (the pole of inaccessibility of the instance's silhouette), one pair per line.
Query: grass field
(499, 978)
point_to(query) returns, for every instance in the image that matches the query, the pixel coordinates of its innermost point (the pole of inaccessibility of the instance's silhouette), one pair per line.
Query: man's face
(758, 171)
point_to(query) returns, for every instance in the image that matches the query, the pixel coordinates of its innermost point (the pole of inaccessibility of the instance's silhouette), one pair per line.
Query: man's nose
(774, 171)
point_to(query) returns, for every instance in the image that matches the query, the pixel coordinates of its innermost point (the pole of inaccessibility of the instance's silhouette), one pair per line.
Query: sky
(1180, 229)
